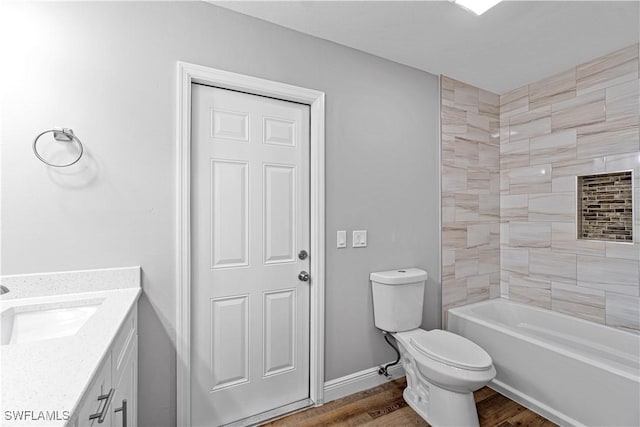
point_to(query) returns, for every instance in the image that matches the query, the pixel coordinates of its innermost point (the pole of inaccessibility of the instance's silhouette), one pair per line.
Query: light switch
(359, 239)
(341, 239)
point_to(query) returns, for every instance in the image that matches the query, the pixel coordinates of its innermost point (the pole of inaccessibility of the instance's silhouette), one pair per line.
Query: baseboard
(358, 381)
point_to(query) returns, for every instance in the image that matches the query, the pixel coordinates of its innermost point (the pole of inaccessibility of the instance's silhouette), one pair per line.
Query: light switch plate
(359, 239)
(341, 239)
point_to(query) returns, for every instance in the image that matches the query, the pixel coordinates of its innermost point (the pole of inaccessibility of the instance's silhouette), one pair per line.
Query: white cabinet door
(92, 403)
(124, 407)
(117, 374)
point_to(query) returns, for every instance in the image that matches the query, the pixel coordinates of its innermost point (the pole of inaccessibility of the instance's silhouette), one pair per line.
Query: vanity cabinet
(111, 400)
(124, 405)
(96, 397)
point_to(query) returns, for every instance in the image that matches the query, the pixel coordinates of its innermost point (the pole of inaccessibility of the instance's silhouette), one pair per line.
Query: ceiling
(513, 44)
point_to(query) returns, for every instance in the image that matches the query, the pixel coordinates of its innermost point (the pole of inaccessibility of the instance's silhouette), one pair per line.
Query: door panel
(229, 214)
(229, 125)
(250, 218)
(279, 202)
(229, 342)
(279, 331)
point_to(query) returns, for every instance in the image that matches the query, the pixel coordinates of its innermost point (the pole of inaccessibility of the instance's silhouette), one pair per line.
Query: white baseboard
(358, 381)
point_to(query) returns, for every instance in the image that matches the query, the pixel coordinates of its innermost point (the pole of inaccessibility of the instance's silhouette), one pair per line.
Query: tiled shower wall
(583, 121)
(470, 194)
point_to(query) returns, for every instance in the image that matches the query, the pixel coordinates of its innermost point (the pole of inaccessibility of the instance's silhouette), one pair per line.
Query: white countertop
(53, 374)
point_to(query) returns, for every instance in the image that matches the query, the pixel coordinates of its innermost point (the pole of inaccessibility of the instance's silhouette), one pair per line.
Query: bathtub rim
(463, 313)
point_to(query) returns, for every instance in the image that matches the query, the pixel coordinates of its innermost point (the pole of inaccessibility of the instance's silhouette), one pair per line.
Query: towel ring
(63, 135)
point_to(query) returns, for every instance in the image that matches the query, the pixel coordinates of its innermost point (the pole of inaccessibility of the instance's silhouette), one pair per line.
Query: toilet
(443, 369)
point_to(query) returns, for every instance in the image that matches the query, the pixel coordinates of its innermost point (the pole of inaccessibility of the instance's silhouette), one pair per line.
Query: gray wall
(108, 71)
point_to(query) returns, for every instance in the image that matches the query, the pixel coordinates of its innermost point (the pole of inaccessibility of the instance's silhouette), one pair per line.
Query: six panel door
(250, 219)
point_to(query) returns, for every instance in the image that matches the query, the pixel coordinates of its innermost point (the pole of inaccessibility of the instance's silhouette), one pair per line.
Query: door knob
(303, 276)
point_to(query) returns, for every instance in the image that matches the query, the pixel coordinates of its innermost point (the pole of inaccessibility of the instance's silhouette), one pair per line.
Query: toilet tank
(397, 298)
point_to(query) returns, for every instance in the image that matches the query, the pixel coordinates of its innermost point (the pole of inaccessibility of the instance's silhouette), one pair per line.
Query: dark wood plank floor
(384, 406)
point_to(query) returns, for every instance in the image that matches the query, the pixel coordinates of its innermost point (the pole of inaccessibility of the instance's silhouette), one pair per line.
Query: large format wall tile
(581, 302)
(454, 292)
(552, 207)
(595, 128)
(514, 260)
(528, 281)
(588, 312)
(514, 103)
(564, 239)
(470, 193)
(532, 296)
(609, 274)
(488, 103)
(531, 124)
(548, 264)
(509, 194)
(623, 100)
(623, 311)
(573, 168)
(454, 236)
(580, 111)
(454, 178)
(530, 179)
(552, 90)
(563, 184)
(467, 207)
(554, 147)
(530, 234)
(622, 250)
(609, 70)
(514, 207)
(615, 136)
(514, 154)
(478, 235)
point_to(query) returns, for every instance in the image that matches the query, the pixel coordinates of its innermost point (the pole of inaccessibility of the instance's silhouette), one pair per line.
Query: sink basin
(28, 323)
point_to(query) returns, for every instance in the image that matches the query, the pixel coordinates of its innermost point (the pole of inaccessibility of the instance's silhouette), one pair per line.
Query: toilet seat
(451, 349)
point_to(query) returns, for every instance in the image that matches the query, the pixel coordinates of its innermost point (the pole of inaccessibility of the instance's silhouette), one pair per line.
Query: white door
(250, 221)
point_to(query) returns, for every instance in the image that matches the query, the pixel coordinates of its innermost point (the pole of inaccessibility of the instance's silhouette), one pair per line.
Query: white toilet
(443, 369)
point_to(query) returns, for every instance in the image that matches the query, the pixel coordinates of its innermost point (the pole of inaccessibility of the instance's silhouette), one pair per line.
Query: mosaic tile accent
(605, 207)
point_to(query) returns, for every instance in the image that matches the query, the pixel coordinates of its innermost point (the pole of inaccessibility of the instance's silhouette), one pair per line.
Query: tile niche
(605, 207)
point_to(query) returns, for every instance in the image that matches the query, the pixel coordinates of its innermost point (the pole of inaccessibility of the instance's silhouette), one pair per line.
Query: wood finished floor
(384, 406)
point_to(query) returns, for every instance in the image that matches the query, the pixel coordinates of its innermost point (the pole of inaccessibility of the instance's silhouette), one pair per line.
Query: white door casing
(187, 74)
(250, 219)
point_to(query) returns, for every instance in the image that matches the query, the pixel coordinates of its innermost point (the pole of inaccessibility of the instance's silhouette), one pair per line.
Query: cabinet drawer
(123, 342)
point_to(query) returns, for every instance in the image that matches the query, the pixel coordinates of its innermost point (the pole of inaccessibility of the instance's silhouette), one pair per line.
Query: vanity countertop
(48, 377)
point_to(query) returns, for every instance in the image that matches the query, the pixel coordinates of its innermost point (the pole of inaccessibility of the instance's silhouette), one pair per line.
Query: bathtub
(569, 370)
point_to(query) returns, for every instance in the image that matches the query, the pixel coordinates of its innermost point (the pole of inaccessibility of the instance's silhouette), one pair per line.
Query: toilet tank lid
(399, 277)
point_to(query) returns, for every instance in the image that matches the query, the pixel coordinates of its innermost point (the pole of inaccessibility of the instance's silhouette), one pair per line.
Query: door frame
(192, 73)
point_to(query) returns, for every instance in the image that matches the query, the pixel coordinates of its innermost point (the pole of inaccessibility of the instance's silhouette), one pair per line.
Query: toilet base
(440, 407)
(437, 405)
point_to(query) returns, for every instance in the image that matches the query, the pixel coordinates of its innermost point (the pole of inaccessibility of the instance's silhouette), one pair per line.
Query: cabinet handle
(100, 415)
(123, 409)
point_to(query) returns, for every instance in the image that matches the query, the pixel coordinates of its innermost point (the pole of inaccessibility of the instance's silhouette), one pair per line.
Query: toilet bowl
(442, 369)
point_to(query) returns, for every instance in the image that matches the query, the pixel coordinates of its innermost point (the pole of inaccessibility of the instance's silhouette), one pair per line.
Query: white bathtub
(572, 371)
